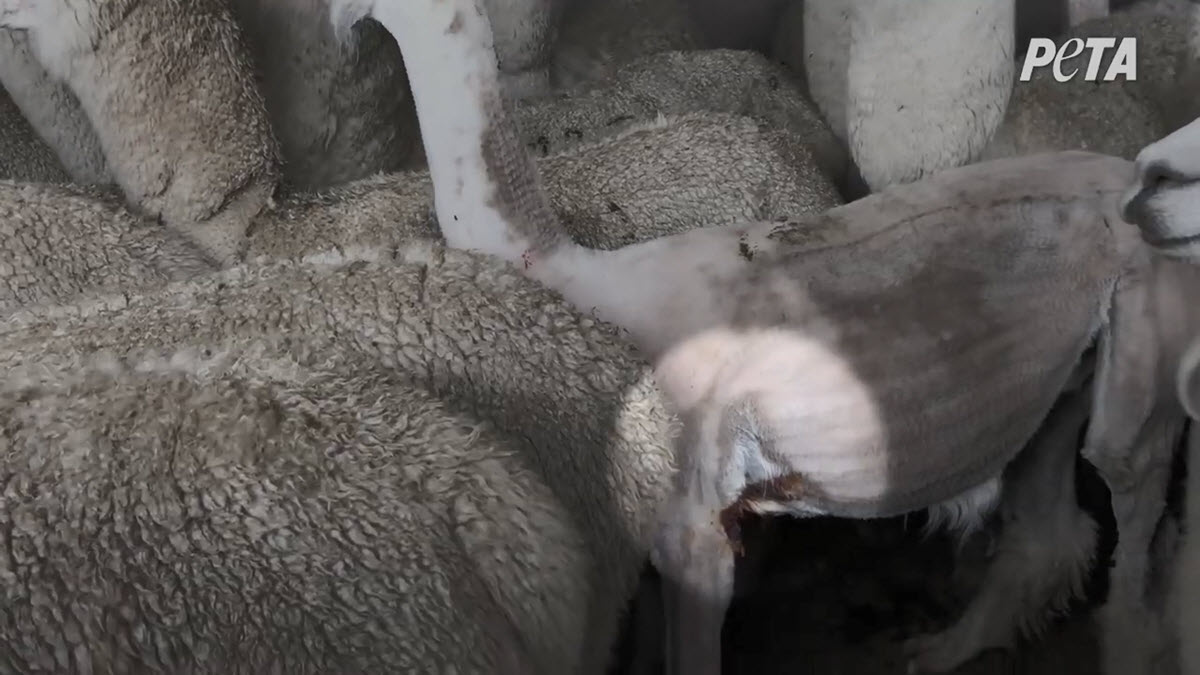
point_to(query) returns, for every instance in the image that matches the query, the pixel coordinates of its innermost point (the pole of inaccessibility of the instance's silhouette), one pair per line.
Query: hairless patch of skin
(900, 360)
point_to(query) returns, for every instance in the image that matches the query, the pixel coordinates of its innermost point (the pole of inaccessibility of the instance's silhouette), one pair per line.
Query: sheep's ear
(1188, 381)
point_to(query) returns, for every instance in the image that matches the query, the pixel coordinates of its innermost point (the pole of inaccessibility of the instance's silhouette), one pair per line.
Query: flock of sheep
(397, 335)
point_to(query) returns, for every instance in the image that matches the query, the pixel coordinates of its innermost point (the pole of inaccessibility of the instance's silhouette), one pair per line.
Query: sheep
(765, 333)
(598, 36)
(547, 534)
(679, 82)
(23, 154)
(52, 110)
(647, 181)
(341, 112)
(1116, 118)
(963, 52)
(61, 240)
(194, 147)
(360, 555)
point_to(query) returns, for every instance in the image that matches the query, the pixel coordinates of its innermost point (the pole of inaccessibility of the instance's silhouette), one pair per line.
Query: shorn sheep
(311, 468)
(665, 177)
(1164, 202)
(194, 147)
(990, 318)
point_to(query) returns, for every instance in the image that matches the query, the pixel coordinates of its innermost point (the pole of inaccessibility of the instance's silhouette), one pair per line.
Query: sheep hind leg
(1045, 548)
(692, 550)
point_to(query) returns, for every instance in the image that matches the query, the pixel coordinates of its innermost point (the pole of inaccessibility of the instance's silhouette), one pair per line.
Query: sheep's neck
(487, 193)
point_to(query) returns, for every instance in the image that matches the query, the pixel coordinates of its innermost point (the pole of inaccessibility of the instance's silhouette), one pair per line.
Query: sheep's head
(1188, 380)
(1164, 202)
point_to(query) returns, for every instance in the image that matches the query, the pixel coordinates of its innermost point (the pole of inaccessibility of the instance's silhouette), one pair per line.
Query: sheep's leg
(1079, 11)
(697, 562)
(693, 551)
(1045, 548)
(1131, 441)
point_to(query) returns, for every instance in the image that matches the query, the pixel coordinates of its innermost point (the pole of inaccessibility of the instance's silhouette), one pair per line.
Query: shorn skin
(766, 336)
(430, 464)
(910, 88)
(1164, 202)
(645, 182)
(194, 147)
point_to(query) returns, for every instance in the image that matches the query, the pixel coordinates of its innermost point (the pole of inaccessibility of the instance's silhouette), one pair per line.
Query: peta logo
(1042, 53)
